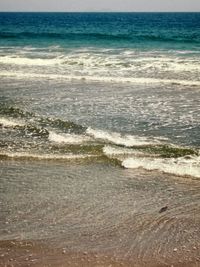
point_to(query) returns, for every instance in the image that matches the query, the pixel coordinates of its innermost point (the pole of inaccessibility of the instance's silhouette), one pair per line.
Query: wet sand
(38, 254)
(64, 214)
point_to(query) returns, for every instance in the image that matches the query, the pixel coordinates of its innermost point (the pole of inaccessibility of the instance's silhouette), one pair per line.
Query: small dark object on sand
(163, 209)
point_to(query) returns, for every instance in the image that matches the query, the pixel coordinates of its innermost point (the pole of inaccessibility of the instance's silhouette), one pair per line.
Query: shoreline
(23, 253)
(96, 215)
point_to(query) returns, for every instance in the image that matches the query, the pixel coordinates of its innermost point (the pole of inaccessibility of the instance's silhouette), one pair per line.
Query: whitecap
(111, 79)
(10, 122)
(180, 166)
(68, 138)
(118, 139)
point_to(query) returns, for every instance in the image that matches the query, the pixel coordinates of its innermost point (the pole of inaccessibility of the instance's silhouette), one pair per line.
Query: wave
(92, 60)
(68, 138)
(35, 122)
(17, 60)
(15, 35)
(23, 128)
(72, 36)
(170, 39)
(161, 150)
(29, 130)
(119, 152)
(69, 36)
(118, 139)
(169, 150)
(65, 126)
(61, 131)
(24, 155)
(10, 123)
(34, 131)
(59, 139)
(14, 111)
(21, 75)
(181, 166)
(117, 66)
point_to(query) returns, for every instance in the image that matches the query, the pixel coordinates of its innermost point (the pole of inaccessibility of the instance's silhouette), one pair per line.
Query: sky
(100, 5)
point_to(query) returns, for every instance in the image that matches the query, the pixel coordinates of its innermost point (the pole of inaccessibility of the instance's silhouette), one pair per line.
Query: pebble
(33, 260)
(175, 249)
(64, 251)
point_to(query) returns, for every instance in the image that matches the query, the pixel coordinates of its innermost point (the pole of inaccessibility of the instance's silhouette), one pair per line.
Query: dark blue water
(135, 30)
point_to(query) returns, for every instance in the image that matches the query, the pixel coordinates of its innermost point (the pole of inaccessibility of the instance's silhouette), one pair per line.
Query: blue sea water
(111, 30)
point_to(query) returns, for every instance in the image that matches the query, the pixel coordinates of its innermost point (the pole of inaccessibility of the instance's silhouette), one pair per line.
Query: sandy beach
(144, 220)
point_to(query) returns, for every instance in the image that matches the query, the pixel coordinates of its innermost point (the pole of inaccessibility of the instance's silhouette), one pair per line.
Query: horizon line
(100, 11)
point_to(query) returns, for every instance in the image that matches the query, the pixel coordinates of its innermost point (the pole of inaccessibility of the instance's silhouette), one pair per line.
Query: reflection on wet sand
(95, 214)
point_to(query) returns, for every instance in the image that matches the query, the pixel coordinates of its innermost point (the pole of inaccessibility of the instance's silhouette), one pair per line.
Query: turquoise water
(114, 30)
(99, 129)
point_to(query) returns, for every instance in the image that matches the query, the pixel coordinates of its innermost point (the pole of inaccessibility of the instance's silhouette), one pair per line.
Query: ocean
(100, 129)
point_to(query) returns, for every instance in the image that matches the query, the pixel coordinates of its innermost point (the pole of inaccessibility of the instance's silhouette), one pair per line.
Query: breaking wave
(10, 123)
(57, 139)
(68, 138)
(111, 79)
(120, 65)
(118, 139)
(181, 166)
(24, 155)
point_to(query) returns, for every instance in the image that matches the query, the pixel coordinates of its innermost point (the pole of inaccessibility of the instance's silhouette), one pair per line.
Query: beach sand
(69, 214)
(38, 254)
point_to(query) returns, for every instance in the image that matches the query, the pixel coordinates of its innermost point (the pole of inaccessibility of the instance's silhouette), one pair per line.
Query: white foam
(68, 138)
(93, 63)
(180, 166)
(184, 52)
(120, 66)
(22, 75)
(118, 139)
(28, 61)
(10, 123)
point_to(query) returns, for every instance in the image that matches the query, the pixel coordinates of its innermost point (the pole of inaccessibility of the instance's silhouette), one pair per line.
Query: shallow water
(137, 126)
(101, 209)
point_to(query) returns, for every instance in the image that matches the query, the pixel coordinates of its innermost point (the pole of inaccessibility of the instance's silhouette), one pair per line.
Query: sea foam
(180, 166)
(118, 139)
(104, 79)
(68, 138)
(10, 123)
(127, 66)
